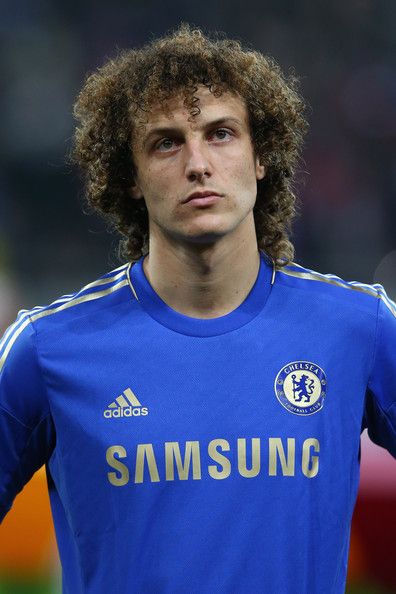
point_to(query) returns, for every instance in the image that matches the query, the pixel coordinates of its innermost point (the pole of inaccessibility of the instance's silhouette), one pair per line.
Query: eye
(166, 144)
(221, 134)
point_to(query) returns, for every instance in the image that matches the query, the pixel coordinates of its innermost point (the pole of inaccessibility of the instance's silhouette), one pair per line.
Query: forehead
(174, 112)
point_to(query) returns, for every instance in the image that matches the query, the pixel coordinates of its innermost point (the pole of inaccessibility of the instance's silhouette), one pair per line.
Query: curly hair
(116, 97)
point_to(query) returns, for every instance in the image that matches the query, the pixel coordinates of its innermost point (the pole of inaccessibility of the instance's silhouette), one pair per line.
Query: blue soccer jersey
(196, 456)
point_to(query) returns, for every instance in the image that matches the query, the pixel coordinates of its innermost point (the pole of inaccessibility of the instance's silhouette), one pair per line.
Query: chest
(251, 383)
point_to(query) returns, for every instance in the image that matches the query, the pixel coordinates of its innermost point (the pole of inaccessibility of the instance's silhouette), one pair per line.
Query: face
(211, 157)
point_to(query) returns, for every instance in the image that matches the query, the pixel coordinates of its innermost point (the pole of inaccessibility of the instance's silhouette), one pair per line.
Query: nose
(197, 161)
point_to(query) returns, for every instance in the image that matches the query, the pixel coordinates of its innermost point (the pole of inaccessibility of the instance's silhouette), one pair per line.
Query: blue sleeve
(380, 410)
(26, 429)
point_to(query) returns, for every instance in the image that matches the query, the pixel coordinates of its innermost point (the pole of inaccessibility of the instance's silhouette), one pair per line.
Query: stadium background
(344, 53)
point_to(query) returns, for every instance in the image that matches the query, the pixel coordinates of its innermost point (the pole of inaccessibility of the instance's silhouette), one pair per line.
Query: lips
(200, 195)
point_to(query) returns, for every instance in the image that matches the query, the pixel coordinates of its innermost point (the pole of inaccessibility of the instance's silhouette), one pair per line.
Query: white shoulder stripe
(64, 303)
(105, 281)
(391, 305)
(81, 299)
(24, 313)
(331, 280)
(375, 290)
(122, 267)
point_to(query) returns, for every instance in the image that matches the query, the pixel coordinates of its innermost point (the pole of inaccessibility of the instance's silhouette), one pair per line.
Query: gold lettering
(242, 467)
(172, 454)
(145, 451)
(219, 458)
(310, 463)
(275, 450)
(117, 481)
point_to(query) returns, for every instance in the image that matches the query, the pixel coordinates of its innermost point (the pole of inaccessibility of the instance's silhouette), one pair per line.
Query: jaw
(204, 232)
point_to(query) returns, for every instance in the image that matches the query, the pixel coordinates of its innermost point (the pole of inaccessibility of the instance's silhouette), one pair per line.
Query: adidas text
(127, 411)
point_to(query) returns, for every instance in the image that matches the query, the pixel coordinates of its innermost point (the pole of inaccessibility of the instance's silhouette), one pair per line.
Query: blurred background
(344, 53)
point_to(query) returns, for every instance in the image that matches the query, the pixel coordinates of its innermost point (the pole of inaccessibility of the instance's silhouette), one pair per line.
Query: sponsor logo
(125, 405)
(300, 387)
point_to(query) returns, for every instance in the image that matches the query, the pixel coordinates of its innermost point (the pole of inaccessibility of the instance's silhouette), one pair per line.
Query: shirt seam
(9, 413)
(386, 413)
(40, 370)
(58, 450)
(375, 345)
(23, 451)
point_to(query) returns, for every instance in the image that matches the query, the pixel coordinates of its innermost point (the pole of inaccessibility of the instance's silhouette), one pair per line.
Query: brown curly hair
(117, 96)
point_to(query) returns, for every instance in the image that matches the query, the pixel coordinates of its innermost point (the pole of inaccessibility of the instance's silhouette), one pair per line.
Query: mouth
(202, 198)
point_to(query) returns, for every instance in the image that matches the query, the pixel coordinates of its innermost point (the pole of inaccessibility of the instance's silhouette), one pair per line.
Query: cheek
(240, 162)
(154, 184)
(160, 178)
(244, 173)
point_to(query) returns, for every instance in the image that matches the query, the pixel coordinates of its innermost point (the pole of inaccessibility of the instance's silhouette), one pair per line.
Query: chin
(205, 239)
(200, 238)
(208, 234)
(207, 231)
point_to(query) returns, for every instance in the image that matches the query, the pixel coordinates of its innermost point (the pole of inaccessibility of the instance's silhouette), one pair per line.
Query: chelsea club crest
(301, 387)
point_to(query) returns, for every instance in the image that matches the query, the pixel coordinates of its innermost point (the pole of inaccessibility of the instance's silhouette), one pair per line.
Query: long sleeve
(26, 430)
(380, 411)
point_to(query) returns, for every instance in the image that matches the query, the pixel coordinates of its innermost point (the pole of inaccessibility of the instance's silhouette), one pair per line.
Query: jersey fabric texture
(200, 455)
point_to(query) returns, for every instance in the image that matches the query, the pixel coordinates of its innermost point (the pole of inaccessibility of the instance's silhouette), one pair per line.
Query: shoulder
(102, 294)
(334, 289)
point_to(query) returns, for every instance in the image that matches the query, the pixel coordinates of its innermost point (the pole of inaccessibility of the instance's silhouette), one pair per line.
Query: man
(199, 409)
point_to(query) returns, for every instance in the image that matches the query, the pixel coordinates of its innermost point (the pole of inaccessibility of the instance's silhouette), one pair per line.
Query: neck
(203, 281)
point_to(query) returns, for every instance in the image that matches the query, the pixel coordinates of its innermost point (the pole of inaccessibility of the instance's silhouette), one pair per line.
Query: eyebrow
(169, 130)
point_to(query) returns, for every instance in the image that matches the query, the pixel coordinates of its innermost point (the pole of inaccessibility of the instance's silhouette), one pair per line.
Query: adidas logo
(126, 405)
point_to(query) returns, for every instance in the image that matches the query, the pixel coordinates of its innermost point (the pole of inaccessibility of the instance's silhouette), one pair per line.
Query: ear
(135, 192)
(260, 170)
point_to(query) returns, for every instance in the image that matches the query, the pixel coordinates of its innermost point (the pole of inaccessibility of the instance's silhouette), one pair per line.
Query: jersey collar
(165, 315)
